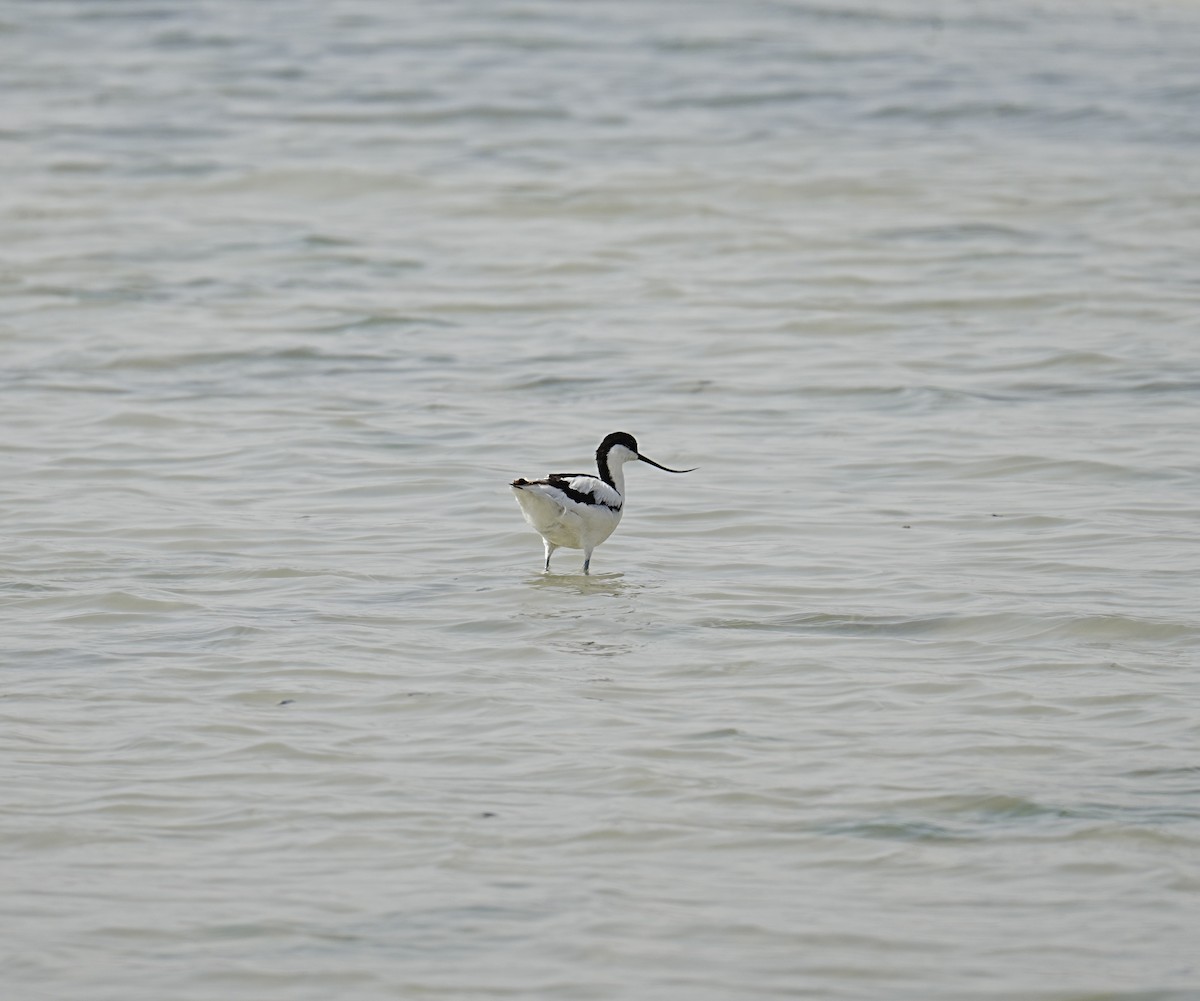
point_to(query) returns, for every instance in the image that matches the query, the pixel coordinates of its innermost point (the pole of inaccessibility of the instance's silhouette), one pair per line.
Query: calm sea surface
(895, 697)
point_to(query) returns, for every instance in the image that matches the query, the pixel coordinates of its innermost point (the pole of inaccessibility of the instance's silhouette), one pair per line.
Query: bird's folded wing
(584, 489)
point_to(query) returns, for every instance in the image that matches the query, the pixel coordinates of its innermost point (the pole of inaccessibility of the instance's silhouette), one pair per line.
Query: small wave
(964, 232)
(993, 626)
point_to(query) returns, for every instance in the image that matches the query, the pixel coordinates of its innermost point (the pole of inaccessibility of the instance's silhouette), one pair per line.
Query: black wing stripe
(561, 482)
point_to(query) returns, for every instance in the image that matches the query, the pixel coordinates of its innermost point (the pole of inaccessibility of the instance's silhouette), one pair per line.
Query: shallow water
(893, 697)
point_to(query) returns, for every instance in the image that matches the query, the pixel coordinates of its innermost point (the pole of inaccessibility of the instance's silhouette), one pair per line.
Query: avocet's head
(619, 448)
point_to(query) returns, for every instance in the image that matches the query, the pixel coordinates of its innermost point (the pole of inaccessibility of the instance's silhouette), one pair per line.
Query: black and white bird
(579, 510)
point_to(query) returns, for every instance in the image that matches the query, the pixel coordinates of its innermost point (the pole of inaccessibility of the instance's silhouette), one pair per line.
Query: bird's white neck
(615, 462)
(616, 472)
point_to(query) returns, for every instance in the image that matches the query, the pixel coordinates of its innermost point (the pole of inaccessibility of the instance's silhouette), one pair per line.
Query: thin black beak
(664, 468)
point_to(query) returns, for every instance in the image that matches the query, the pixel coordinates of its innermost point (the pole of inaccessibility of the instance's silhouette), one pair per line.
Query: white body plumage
(580, 510)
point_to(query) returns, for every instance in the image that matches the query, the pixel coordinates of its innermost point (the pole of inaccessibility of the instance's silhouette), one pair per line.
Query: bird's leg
(587, 559)
(550, 547)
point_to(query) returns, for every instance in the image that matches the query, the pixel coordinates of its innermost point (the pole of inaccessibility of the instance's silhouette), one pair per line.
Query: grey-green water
(895, 697)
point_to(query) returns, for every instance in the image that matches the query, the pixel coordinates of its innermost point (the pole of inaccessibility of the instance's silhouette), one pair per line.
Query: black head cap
(611, 441)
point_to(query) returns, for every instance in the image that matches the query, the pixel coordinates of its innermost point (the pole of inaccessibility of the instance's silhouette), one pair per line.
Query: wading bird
(579, 510)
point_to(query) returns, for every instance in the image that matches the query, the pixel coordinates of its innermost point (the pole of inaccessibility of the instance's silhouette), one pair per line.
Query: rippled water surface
(894, 697)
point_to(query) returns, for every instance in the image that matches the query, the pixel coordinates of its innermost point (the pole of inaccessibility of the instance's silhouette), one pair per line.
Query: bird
(579, 510)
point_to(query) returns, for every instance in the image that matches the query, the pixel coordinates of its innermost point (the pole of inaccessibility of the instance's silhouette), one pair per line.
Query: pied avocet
(579, 510)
